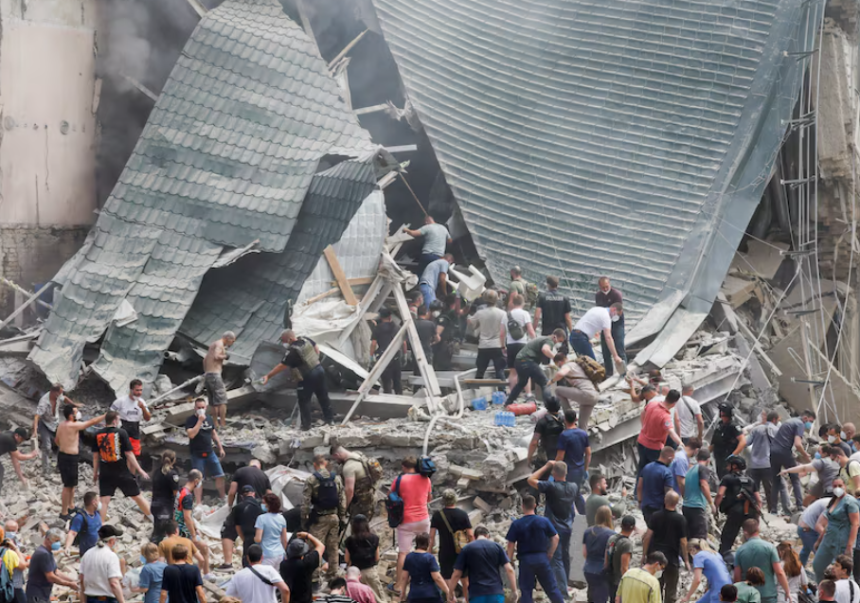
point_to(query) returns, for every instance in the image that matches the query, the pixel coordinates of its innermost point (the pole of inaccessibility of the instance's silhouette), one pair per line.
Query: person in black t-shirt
(547, 430)
(297, 569)
(362, 551)
(667, 533)
(165, 485)
(382, 337)
(737, 498)
(251, 475)
(427, 333)
(240, 524)
(552, 310)
(182, 582)
(728, 439)
(113, 464)
(447, 522)
(9, 442)
(201, 432)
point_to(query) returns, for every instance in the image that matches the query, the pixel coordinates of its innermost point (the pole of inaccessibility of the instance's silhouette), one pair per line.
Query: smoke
(128, 51)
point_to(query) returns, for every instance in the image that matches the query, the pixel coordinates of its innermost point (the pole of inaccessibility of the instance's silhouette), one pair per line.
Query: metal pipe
(20, 289)
(191, 381)
(459, 414)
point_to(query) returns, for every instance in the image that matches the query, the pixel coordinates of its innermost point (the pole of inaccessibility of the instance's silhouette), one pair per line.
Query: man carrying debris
(788, 436)
(605, 297)
(561, 497)
(736, 498)
(681, 463)
(491, 330)
(382, 337)
(360, 476)
(536, 352)
(435, 278)
(68, 454)
(213, 364)
(552, 310)
(201, 432)
(132, 409)
(435, 238)
(9, 442)
(728, 439)
(596, 320)
(574, 385)
(324, 510)
(303, 359)
(655, 481)
(46, 420)
(535, 540)
(113, 464)
(688, 416)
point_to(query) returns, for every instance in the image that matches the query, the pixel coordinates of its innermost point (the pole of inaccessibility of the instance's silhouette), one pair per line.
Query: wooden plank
(340, 276)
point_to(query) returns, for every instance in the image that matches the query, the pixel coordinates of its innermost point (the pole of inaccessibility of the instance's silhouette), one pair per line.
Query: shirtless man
(46, 419)
(212, 365)
(67, 438)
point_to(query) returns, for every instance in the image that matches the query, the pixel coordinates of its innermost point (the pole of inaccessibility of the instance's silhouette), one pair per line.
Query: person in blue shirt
(480, 560)
(421, 573)
(151, 573)
(560, 499)
(654, 481)
(535, 541)
(707, 562)
(681, 463)
(85, 525)
(575, 450)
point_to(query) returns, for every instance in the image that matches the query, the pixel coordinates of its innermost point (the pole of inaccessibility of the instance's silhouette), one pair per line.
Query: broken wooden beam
(340, 276)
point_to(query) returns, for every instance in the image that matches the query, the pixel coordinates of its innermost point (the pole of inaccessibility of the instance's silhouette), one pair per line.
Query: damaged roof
(249, 141)
(628, 138)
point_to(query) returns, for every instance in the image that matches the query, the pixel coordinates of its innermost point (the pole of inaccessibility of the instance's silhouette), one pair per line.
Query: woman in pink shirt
(415, 490)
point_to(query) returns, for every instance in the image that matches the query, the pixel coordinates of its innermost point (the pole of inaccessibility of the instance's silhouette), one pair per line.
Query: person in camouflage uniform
(359, 485)
(324, 512)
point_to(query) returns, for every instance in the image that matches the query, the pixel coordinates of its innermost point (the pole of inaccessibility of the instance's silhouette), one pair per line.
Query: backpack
(7, 591)
(461, 537)
(327, 495)
(611, 546)
(515, 329)
(394, 505)
(532, 294)
(743, 493)
(85, 526)
(372, 469)
(426, 466)
(593, 369)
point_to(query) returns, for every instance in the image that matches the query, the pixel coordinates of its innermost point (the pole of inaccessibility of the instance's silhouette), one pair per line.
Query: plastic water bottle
(512, 419)
(479, 403)
(500, 418)
(499, 398)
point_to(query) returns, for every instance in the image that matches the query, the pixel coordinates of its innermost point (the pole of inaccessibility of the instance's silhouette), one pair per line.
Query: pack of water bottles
(479, 403)
(505, 419)
(499, 398)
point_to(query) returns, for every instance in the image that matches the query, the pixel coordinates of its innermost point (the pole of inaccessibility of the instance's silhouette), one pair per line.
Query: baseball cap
(628, 522)
(297, 548)
(109, 531)
(248, 488)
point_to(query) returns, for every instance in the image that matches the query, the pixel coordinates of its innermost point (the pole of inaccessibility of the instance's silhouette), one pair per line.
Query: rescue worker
(358, 483)
(738, 499)
(303, 358)
(324, 511)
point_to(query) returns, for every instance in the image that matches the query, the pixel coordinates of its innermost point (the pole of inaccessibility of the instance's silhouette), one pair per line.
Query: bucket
(523, 409)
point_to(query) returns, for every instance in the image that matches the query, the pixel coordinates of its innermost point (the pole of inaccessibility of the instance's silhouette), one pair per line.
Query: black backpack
(327, 496)
(515, 329)
(611, 547)
(85, 526)
(426, 466)
(394, 505)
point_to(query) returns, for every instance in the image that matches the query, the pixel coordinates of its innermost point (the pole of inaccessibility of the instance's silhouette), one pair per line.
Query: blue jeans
(618, 338)
(429, 294)
(561, 560)
(581, 345)
(646, 455)
(808, 537)
(527, 370)
(536, 566)
(577, 476)
(598, 587)
(210, 461)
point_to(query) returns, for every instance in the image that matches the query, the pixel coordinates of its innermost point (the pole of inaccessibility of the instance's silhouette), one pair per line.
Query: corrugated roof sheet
(228, 155)
(630, 138)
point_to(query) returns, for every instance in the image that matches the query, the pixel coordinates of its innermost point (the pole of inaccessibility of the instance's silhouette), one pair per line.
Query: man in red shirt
(656, 425)
(416, 491)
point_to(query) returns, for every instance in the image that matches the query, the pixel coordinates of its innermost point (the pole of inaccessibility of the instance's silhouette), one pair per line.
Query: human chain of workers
(290, 554)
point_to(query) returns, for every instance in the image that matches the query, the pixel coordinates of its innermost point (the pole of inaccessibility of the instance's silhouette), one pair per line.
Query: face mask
(842, 435)
(808, 424)
(78, 416)
(658, 574)
(201, 412)
(436, 314)
(142, 560)
(616, 318)
(56, 546)
(99, 506)
(264, 507)
(818, 455)
(838, 492)
(831, 439)
(12, 536)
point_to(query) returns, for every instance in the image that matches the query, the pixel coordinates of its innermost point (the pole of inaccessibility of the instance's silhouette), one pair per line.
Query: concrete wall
(48, 135)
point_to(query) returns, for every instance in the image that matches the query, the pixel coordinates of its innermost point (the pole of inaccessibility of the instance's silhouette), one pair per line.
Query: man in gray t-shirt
(790, 434)
(435, 237)
(760, 437)
(488, 324)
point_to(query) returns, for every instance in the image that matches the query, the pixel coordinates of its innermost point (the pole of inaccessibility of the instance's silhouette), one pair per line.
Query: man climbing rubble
(113, 464)
(132, 410)
(606, 297)
(788, 436)
(528, 363)
(9, 442)
(201, 432)
(46, 420)
(303, 359)
(68, 453)
(435, 238)
(324, 510)
(574, 385)
(434, 277)
(360, 476)
(596, 320)
(213, 365)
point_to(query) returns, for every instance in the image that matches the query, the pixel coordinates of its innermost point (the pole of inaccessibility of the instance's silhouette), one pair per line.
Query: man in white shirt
(597, 320)
(100, 573)
(513, 346)
(688, 416)
(47, 419)
(257, 582)
(132, 410)
(847, 590)
(489, 326)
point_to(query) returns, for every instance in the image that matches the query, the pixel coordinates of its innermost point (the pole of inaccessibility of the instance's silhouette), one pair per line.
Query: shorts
(68, 466)
(228, 530)
(215, 387)
(513, 350)
(210, 462)
(135, 446)
(406, 533)
(109, 482)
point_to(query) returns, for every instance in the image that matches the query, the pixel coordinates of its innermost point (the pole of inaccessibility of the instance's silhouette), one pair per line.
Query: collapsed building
(701, 155)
